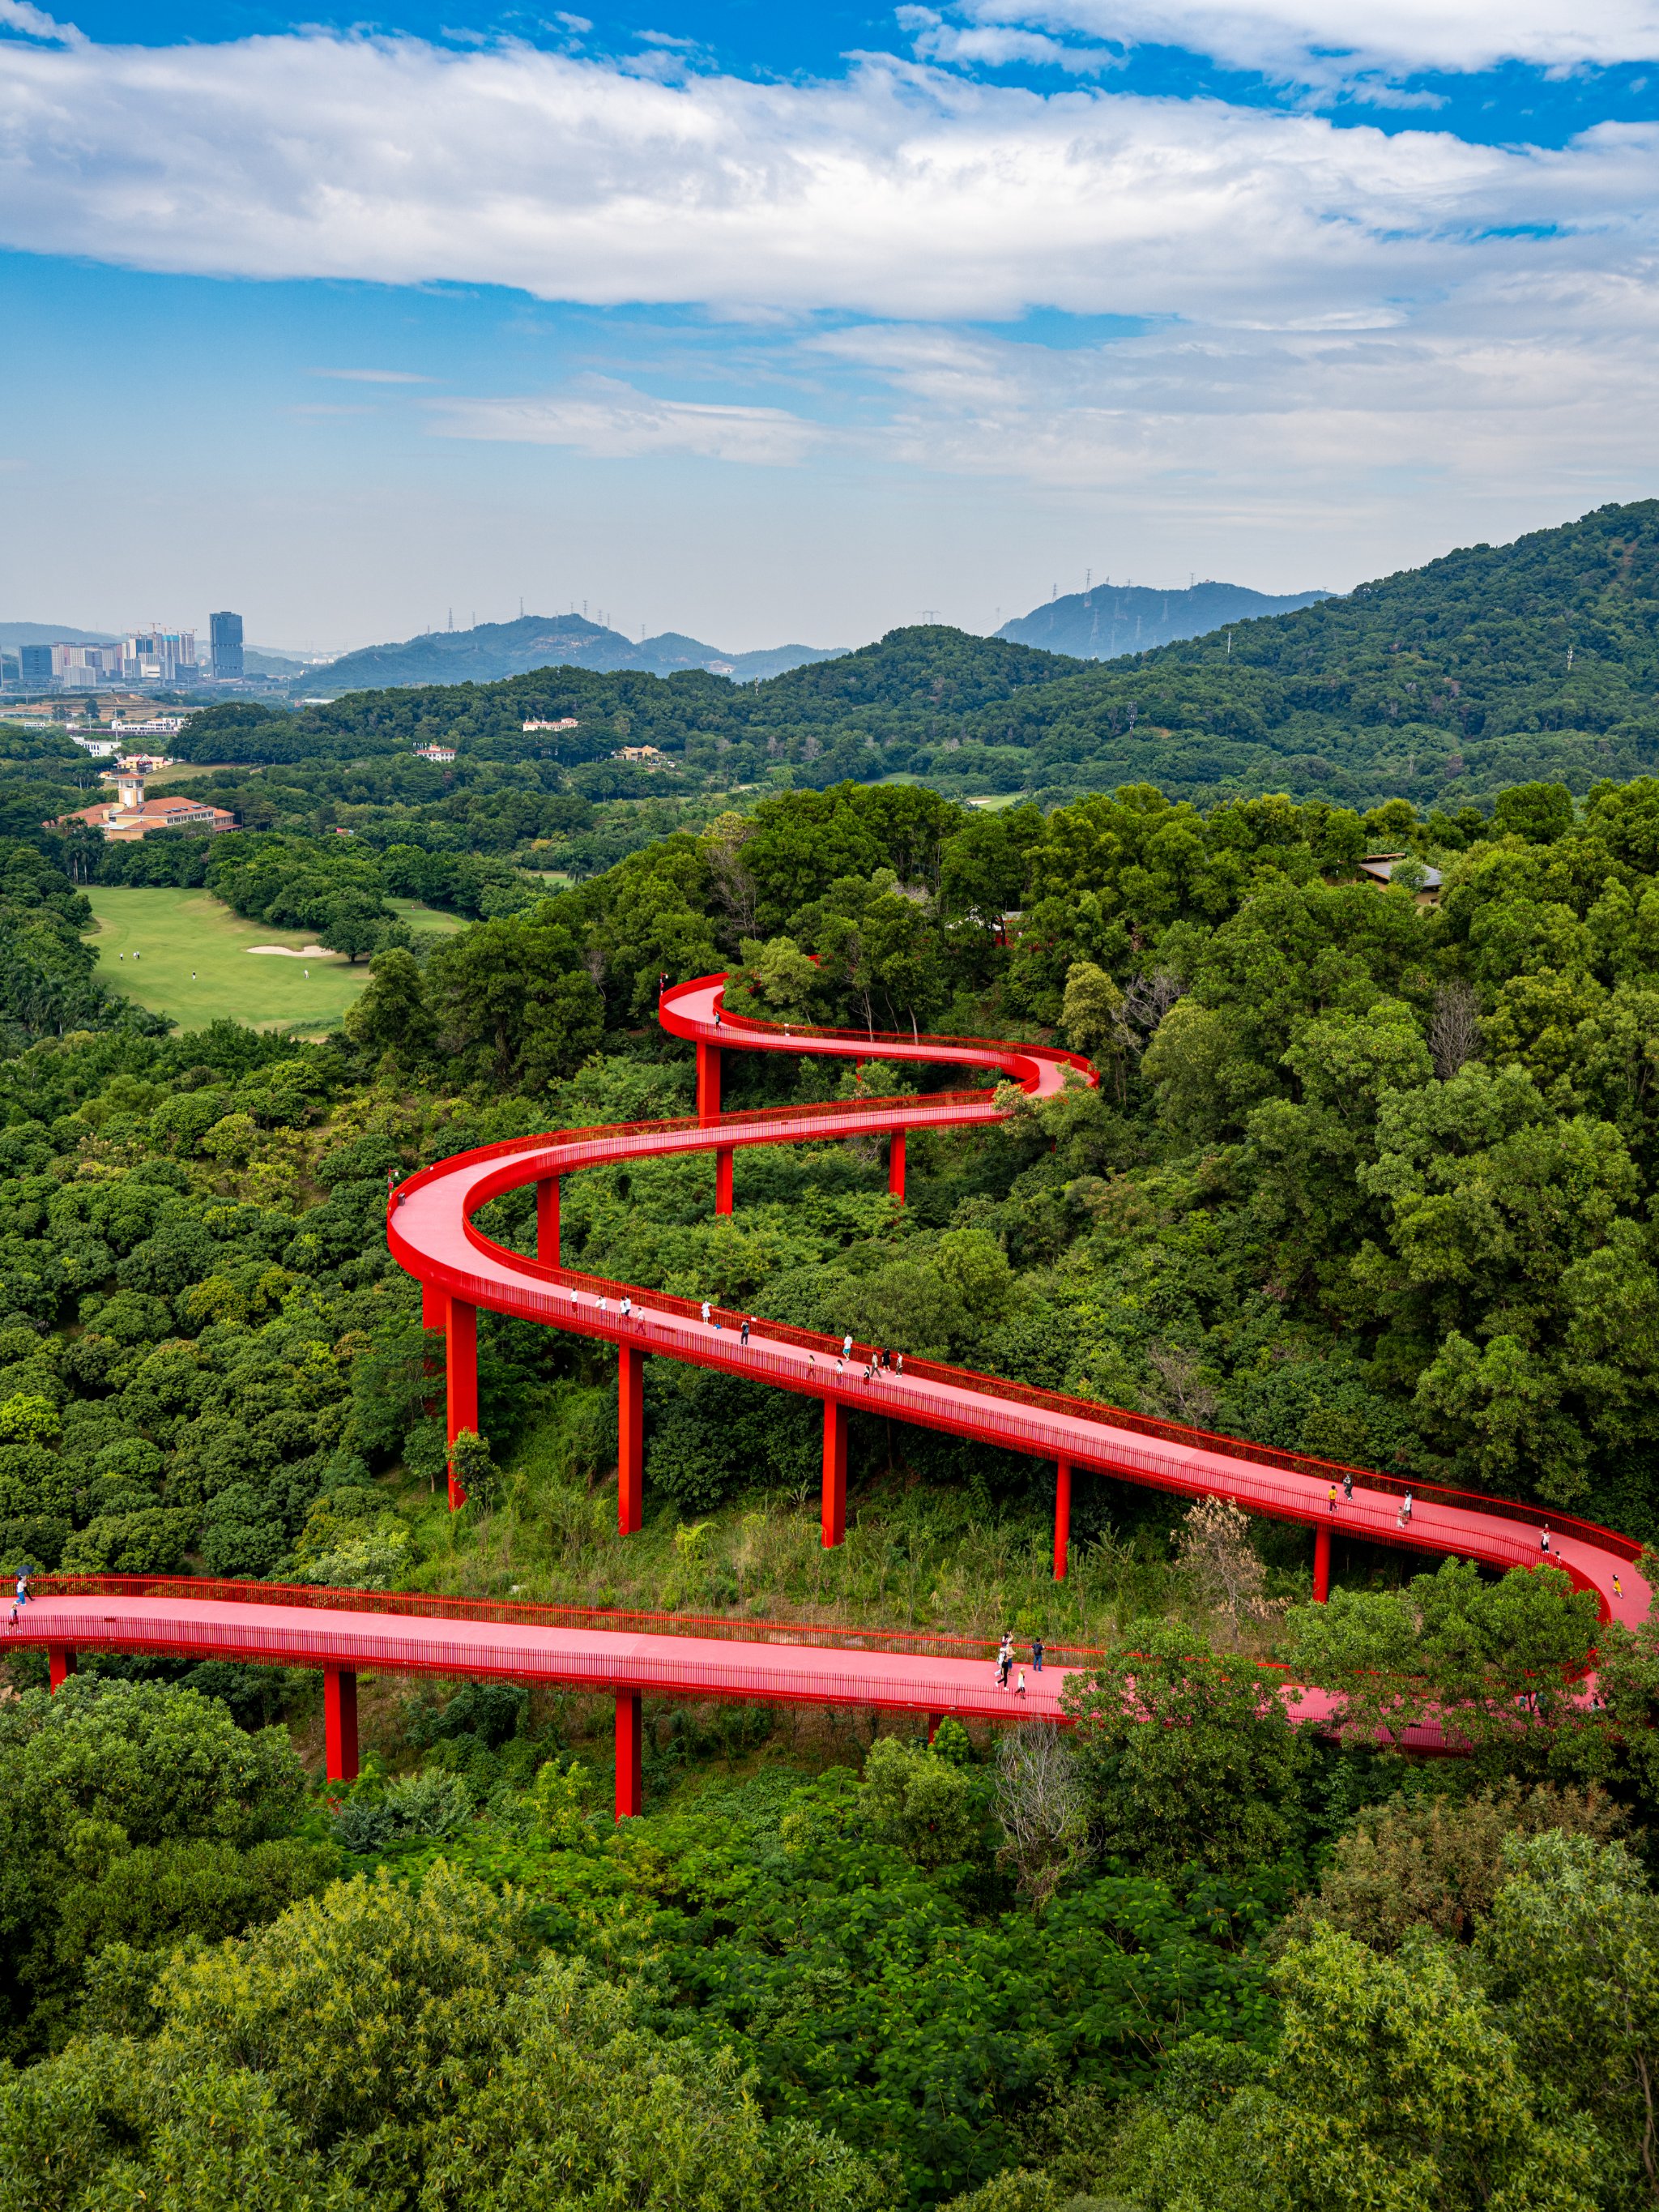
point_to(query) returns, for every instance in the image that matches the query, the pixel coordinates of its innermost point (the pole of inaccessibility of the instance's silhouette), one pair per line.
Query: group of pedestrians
(1402, 1519)
(1005, 1663)
(881, 1360)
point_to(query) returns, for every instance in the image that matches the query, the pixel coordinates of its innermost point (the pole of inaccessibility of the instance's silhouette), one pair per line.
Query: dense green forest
(1370, 1172)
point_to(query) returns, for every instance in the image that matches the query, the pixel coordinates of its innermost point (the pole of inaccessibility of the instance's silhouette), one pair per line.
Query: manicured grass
(193, 961)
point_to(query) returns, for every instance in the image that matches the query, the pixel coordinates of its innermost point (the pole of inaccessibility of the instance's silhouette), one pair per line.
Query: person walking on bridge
(1348, 1487)
(705, 1313)
(1402, 1519)
(847, 1346)
(1544, 1543)
(1036, 1653)
(1330, 1499)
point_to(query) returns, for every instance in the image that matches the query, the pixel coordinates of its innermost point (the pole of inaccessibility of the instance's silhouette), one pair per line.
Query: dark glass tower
(225, 644)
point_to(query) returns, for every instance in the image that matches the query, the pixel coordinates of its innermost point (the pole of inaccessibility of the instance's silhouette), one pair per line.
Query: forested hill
(1441, 684)
(491, 651)
(1118, 618)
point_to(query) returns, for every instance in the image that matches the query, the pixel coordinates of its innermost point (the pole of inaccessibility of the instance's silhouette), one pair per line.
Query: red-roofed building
(133, 815)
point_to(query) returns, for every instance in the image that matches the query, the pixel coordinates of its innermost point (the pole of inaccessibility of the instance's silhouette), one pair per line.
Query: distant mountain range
(12, 634)
(1118, 618)
(495, 650)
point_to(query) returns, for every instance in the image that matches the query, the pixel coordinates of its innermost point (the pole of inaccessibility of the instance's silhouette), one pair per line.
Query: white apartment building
(160, 656)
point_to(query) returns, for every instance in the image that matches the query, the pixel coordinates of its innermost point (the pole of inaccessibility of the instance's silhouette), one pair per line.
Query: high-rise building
(35, 665)
(225, 644)
(160, 656)
(85, 667)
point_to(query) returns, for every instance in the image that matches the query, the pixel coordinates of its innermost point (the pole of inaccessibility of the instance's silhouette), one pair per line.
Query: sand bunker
(286, 951)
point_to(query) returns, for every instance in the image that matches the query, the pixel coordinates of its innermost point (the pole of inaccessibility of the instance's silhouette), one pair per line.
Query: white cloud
(371, 375)
(1330, 426)
(1318, 305)
(1318, 41)
(614, 421)
(901, 191)
(34, 23)
(998, 45)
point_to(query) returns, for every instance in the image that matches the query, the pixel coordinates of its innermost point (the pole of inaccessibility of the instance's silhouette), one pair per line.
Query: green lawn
(182, 953)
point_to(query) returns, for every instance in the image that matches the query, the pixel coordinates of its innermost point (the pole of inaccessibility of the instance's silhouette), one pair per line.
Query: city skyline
(787, 325)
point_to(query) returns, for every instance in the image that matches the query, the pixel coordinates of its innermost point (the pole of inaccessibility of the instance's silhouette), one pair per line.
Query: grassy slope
(196, 965)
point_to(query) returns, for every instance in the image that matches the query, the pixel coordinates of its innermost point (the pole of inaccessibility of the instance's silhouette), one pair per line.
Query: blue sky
(795, 322)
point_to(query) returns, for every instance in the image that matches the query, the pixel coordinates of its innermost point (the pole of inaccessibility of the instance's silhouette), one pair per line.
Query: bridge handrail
(1095, 1411)
(422, 1605)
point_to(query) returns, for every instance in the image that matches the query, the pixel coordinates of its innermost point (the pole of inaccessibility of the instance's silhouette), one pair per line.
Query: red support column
(1062, 1517)
(1321, 1589)
(435, 1318)
(835, 1473)
(723, 1180)
(933, 1720)
(461, 1351)
(340, 1722)
(896, 1165)
(547, 1221)
(630, 1745)
(60, 1662)
(709, 1082)
(630, 1439)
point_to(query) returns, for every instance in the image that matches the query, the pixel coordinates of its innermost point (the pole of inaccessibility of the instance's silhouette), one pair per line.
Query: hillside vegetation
(1364, 1174)
(1495, 665)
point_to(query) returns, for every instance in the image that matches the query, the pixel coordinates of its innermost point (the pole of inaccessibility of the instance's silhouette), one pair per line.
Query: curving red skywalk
(433, 1234)
(432, 1231)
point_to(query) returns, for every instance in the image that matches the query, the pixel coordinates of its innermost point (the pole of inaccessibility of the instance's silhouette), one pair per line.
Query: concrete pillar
(461, 1360)
(630, 1439)
(835, 1473)
(1062, 1517)
(60, 1663)
(709, 1082)
(547, 1221)
(630, 1747)
(896, 1165)
(340, 1722)
(1321, 1589)
(723, 1180)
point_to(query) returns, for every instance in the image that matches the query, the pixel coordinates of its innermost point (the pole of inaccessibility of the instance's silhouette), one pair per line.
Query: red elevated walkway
(348, 1633)
(432, 1232)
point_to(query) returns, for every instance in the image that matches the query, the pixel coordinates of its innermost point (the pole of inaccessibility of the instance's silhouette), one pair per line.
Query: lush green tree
(511, 1001)
(1572, 1951)
(1186, 1755)
(132, 1814)
(1498, 1663)
(929, 1807)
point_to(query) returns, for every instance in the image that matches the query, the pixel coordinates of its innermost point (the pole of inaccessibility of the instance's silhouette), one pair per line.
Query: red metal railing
(419, 1605)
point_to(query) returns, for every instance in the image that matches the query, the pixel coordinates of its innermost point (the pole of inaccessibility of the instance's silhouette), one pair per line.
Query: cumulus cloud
(899, 190)
(1315, 304)
(1241, 422)
(1319, 41)
(613, 421)
(34, 23)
